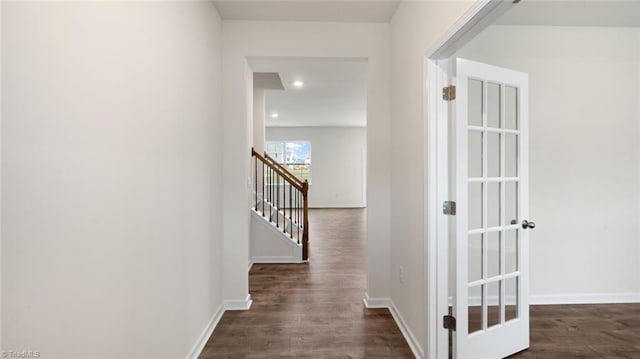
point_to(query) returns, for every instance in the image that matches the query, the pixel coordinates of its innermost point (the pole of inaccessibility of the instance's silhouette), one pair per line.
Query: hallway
(314, 309)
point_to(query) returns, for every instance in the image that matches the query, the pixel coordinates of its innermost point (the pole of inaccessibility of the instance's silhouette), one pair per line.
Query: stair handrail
(282, 170)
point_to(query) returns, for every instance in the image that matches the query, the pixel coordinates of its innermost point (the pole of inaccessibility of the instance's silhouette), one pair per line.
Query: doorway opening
(311, 118)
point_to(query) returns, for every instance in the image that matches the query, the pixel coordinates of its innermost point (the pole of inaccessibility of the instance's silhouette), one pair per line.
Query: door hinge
(449, 93)
(449, 208)
(449, 322)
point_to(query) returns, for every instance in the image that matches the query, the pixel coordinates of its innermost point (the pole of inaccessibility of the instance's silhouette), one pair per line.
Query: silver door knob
(526, 224)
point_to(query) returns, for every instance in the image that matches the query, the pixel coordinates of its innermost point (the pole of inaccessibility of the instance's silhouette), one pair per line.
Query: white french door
(491, 225)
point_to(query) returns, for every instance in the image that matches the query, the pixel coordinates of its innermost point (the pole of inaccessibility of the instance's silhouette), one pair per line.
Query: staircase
(281, 199)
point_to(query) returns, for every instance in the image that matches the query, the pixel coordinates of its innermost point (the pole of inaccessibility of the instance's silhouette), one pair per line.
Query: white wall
(337, 163)
(415, 28)
(269, 244)
(300, 39)
(1, 175)
(259, 119)
(111, 152)
(584, 152)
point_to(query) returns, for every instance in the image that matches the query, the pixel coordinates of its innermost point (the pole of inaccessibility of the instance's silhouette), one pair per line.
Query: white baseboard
(373, 303)
(196, 350)
(387, 303)
(277, 259)
(591, 298)
(231, 304)
(250, 265)
(406, 332)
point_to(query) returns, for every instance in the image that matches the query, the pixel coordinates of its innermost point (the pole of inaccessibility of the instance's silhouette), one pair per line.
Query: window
(295, 155)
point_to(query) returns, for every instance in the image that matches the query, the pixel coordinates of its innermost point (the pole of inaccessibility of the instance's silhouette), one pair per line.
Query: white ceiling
(625, 13)
(335, 90)
(334, 93)
(308, 10)
(574, 13)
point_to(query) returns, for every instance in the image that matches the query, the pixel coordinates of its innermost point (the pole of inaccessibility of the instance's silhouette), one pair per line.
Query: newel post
(305, 220)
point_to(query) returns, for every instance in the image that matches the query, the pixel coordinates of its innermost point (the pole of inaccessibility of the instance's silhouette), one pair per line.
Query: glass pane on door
(493, 154)
(493, 204)
(475, 103)
(493, 254)
(511, 202)
(475, 257)
(493, 304)
(475, 205)
(475, 309)
(511, 155)
(511, 107)
(511, 295)
(510, 251)
(475, 154)
(493, 105)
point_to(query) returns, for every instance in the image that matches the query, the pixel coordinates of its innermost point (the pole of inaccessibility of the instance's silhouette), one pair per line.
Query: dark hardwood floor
(584, 331)
(314, 309)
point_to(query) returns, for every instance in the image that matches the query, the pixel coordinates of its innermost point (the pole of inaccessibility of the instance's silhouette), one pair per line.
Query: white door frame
(436, 76)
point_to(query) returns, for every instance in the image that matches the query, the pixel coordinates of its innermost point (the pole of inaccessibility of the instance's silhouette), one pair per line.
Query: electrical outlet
(401, 274)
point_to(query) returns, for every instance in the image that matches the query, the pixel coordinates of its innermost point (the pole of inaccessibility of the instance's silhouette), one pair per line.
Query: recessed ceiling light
(298, 83)
(274, 115)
